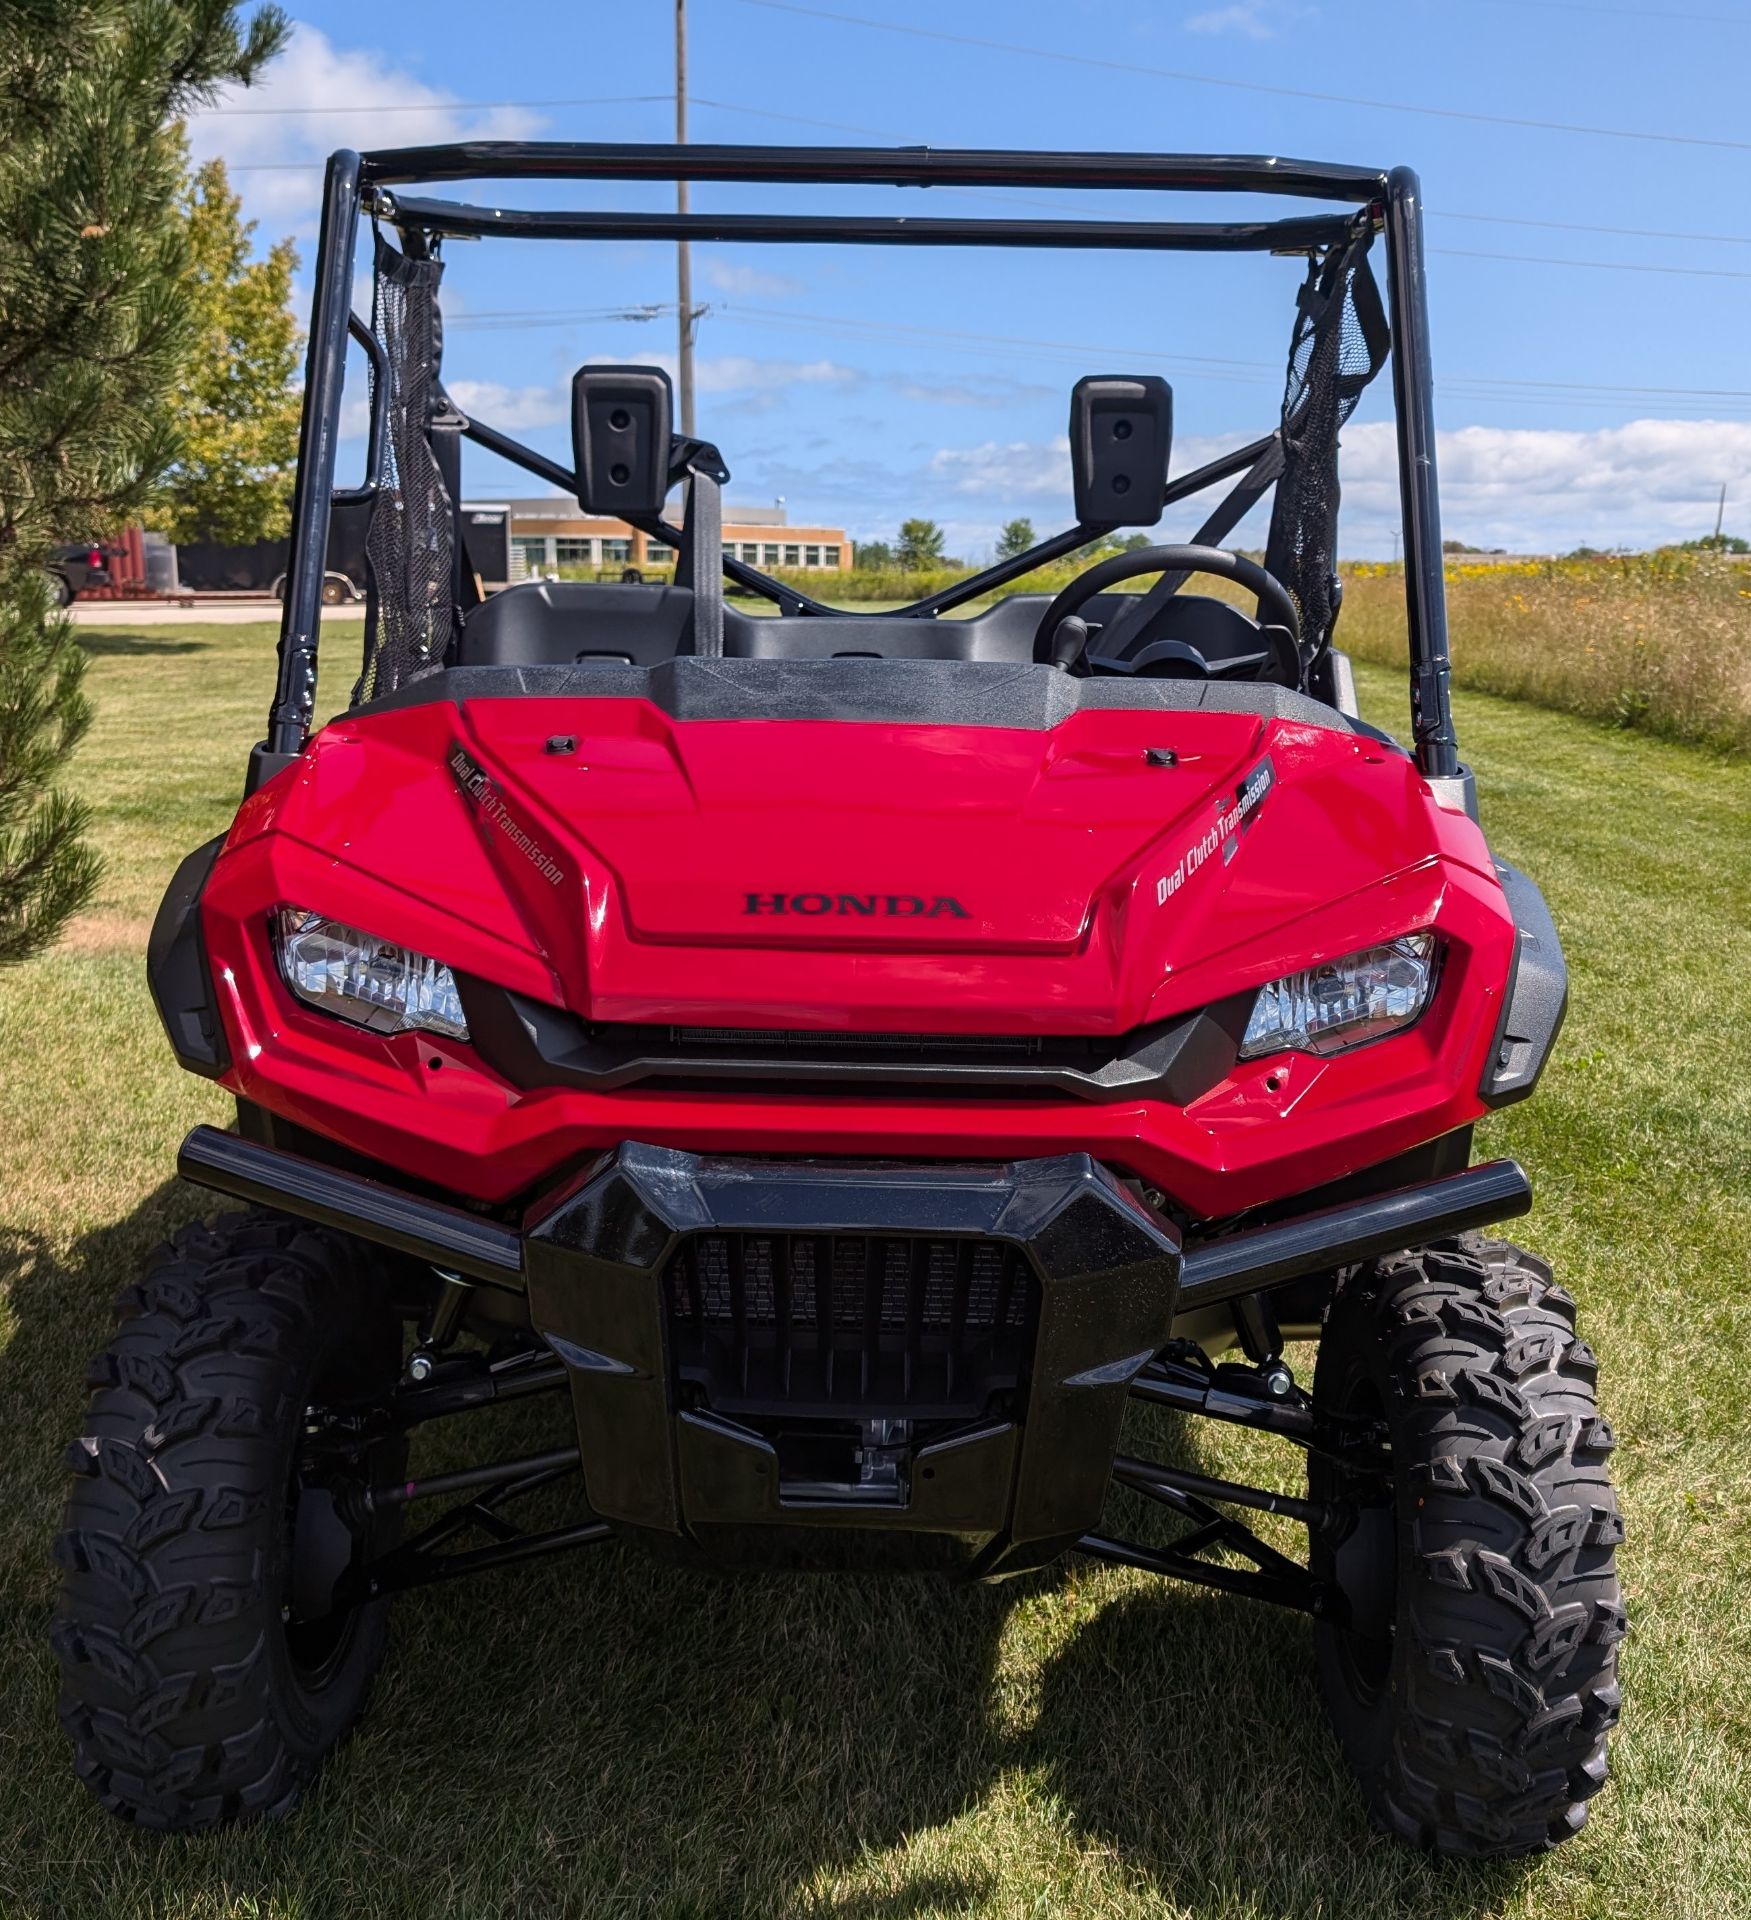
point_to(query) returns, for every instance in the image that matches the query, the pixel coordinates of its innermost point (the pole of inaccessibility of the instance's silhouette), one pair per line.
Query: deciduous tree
(1016, 537)
(236, 412)
(919, 545)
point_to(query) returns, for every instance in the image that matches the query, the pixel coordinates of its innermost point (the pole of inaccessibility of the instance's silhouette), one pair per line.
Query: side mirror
(622, 423)
(1121, 432)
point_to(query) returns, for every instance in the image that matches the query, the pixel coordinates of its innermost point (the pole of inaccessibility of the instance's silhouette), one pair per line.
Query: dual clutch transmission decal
(1224, 833)
(477, 785)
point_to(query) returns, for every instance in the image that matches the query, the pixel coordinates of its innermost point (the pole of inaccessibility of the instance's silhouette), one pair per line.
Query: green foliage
(47, 872)
(95, 330)
(1016, 537)
(236, 410)
(919, 546)
(871, 556)
(1716, 543)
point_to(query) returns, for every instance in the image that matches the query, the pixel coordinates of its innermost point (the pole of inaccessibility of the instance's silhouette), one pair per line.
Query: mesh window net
(1339, 344)
(409, 549)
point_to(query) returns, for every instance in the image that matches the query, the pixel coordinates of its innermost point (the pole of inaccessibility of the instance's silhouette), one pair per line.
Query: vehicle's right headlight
(363, 979)
(1343, 1003)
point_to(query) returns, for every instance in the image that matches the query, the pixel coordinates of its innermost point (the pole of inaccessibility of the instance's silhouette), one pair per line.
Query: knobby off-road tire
(190, 1693)
(1474, 1704)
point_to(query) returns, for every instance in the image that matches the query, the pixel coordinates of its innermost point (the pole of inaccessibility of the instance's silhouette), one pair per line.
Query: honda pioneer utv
(847, 1059)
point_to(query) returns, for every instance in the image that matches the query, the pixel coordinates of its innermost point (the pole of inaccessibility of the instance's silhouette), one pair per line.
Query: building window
(811, 556)
(572, 553)
(830, 556)
(616, 553)
(657, 554)
(750, 553)
(769, 555)
(793, 556)
(528, 556)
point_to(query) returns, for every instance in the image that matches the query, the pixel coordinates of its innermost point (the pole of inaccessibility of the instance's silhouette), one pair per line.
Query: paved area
(214, 613)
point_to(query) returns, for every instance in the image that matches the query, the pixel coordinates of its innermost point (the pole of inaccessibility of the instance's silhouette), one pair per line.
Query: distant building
(554, 535)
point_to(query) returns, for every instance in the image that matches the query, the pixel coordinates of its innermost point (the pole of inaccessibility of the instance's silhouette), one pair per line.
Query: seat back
(554, 623)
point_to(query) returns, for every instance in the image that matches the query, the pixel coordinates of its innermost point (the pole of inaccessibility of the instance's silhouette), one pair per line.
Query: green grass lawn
(597, 1735)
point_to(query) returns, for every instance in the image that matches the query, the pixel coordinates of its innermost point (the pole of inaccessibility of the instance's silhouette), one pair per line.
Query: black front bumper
(827, 1363)
(807, 1363)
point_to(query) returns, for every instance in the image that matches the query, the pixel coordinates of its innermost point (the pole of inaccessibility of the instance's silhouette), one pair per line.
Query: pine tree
(237, 409)
(94, 334)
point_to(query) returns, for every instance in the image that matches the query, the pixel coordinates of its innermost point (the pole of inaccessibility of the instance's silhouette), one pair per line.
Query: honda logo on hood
(864, 906)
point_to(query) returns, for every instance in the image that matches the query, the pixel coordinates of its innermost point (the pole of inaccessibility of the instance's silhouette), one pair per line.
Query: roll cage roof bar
(1390, 201)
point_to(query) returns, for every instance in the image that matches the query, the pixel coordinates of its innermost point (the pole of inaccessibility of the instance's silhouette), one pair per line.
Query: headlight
(1344, 1002)
(363, 979)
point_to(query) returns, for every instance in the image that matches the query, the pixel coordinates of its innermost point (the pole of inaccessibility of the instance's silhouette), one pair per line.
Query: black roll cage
(1389, 201)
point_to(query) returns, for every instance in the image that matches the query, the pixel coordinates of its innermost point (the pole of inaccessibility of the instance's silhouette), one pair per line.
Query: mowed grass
(601, 1735)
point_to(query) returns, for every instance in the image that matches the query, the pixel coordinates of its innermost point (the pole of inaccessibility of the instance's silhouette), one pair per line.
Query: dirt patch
(106, 933)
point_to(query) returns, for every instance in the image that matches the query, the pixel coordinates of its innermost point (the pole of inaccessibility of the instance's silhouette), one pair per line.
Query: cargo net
(1339, 344)
(408, 549)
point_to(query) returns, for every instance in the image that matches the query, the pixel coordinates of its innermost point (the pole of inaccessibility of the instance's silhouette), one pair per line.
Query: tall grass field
(601, 1736)
(1656, 641)
(1659, 641)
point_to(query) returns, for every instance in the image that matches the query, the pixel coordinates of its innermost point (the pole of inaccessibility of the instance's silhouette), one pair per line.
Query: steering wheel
(1063, 635)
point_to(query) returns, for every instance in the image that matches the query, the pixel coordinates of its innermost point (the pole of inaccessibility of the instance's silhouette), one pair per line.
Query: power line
(1061, 58)
(1011, 197)
(1609, 266)
(841, 126)
(793, 119)
(1208, 366)
(1576, 226)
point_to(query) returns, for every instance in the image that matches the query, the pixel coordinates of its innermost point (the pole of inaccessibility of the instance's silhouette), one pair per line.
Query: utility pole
(683, 253)
(1720, 513)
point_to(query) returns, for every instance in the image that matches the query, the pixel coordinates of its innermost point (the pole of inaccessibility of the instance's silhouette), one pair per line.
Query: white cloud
(1543, 489)
(511, 409)
(1248, 18)
(1529, 489)
(741, 373)
(366, 101)
(749, 282)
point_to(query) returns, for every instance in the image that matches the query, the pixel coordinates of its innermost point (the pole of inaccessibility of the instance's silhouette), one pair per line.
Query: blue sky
(1592, 384)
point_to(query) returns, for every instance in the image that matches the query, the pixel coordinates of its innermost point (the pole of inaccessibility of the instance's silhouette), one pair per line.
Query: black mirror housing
(1121, 433)
(622, 424)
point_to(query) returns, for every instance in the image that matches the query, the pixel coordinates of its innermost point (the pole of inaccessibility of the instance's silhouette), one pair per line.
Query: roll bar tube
(318, 434)
(1413, 401)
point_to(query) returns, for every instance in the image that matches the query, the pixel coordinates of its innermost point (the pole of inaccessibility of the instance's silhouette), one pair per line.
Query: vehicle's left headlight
(363, 979)
(1344, 1003)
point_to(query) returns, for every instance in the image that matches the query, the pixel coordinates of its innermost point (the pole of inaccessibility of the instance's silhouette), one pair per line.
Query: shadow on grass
(128, 644)
(601, 1733)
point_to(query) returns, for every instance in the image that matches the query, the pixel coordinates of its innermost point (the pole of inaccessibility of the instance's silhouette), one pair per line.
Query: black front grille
(910, 1046)
(822, 1324)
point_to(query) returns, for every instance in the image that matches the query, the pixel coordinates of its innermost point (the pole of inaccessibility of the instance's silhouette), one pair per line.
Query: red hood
(803, 873)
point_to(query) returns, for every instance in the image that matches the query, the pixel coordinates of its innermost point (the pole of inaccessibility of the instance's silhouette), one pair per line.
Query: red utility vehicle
(847, 1059)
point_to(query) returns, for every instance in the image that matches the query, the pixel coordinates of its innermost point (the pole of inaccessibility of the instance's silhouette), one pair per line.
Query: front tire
(200, 1685)
(1475, 1681)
